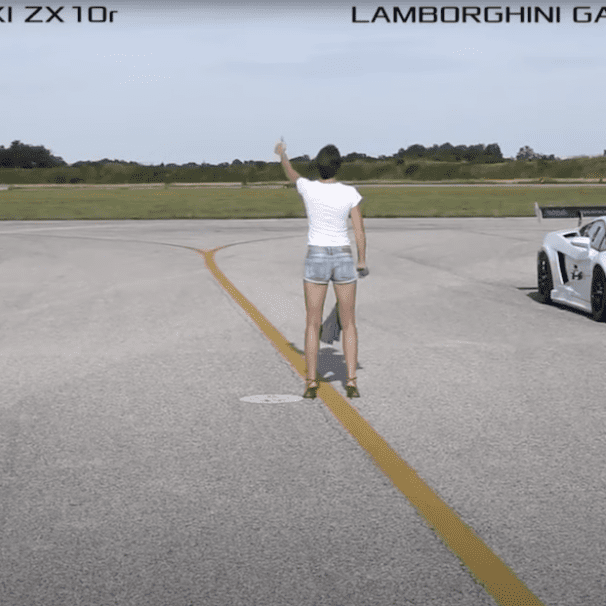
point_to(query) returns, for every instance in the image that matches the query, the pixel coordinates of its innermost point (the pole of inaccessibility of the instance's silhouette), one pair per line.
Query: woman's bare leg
(346, 299)
(315, 295)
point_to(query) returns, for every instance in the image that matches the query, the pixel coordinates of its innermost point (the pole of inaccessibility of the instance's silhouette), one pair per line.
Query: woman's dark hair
(328, 161)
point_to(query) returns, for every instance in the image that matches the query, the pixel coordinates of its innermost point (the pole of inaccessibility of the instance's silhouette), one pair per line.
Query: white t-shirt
(327, 205)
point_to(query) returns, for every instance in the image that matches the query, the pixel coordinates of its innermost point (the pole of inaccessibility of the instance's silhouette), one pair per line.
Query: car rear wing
(568, 212)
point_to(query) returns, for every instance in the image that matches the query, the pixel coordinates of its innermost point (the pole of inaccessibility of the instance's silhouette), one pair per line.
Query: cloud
(555, 63)
(135, 68)
(340, 65)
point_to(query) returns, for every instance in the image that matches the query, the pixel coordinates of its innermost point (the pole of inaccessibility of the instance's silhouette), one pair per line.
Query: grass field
(47, 203)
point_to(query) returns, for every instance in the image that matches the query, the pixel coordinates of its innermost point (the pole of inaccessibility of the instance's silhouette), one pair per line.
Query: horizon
(307, 158)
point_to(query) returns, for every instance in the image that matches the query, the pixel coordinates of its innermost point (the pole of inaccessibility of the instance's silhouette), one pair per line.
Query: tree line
(22, 163)
(22, 155)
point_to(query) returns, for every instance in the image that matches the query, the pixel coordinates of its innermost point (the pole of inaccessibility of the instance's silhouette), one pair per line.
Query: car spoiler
(568, 212)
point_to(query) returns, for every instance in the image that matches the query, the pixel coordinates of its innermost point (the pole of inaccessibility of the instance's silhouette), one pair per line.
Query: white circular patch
(271, 399)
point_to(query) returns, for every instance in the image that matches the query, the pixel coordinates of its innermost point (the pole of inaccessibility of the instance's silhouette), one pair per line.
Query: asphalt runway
(132, 473)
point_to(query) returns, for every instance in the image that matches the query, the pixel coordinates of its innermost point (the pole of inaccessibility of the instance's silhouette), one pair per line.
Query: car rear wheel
(545, 280)
(598, 298)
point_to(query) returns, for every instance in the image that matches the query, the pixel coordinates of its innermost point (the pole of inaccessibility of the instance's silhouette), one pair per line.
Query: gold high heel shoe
(352, 390)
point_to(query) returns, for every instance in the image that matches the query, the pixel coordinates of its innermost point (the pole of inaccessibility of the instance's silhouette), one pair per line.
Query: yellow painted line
(486, 567)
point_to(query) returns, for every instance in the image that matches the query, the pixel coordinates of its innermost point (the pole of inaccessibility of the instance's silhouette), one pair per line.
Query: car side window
(590, 230)
(597, 235)
(584, 231)
(599, 240)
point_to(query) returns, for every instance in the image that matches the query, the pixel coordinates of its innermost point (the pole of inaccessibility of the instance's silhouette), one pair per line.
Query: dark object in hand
(330, 331)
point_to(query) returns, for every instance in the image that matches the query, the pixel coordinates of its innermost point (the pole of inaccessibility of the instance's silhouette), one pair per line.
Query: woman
(329, 257)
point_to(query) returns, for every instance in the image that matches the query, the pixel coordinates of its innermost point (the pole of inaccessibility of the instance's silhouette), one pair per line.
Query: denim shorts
(326, 263)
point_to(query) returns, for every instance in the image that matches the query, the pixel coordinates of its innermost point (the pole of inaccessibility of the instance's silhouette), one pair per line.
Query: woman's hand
(291, 173)
(362, 270)
(280, 148)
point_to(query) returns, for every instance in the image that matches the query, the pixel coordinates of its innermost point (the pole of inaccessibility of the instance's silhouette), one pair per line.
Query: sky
(179, 82)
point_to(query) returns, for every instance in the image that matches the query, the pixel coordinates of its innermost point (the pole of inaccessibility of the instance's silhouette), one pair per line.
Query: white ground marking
(271, 399)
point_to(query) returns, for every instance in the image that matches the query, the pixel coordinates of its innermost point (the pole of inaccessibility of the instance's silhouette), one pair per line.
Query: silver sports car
(571, 264)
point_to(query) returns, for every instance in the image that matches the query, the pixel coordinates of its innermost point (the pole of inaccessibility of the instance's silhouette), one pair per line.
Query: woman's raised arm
(291, 173)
